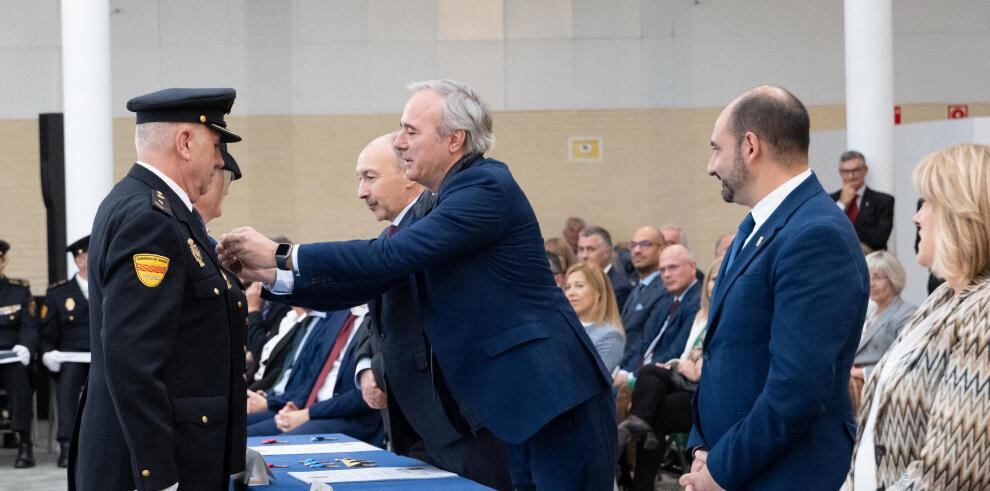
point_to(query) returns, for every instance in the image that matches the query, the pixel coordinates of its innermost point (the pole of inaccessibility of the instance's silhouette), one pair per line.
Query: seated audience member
(870, 211)
(723, 243)
(661, 402)
(322, 396)
(588, 290)
(645, 249)
(572, 229)
(885, 317)
(595, 247)
(65, 328)
(674, 235)
(282, 349)
(926, 406)
(669, 324)
(559, 248)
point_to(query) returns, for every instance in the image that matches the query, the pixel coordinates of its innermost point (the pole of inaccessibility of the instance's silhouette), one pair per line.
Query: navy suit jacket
(510, 347)
(773, 402)
(672, 343)
(634, 316)
(620, 283)
(312, 354)
(875, 219)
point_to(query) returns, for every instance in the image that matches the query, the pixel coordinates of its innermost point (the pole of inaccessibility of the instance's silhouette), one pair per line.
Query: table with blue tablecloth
(381, 458)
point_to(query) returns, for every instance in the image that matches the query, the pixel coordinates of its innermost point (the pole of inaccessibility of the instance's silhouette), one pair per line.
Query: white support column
(88, 117)
(870, 88)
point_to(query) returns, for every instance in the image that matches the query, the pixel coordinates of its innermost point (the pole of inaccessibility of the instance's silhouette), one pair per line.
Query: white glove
(51, 360)
(23, 354)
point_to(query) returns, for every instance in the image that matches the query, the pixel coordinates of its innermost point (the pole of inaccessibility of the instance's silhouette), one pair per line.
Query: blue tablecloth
(383, 458)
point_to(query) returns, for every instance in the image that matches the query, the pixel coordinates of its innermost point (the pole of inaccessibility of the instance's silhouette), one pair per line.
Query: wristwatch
(282, 254)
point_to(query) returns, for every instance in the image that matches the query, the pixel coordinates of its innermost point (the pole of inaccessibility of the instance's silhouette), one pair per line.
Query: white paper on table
(366, 474)
(74, 357)
(340, 447)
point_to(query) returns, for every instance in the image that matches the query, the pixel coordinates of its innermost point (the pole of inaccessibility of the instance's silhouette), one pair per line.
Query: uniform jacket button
(72, 318)
(146, 473)
(216, 291)
(238, 304)
(205, 420)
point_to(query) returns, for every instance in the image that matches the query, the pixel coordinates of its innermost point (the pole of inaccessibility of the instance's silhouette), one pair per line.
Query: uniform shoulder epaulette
(160, 202)
(19, 282)
(58, 284)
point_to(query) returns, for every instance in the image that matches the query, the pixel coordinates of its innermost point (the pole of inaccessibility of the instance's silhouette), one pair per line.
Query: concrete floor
(44, 476)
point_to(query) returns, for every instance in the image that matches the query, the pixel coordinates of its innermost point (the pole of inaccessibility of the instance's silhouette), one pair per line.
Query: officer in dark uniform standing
(65, 330)
(165, 398)
(18, 337)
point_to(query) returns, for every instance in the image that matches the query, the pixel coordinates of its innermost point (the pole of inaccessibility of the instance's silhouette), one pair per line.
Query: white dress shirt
(83, 285)
(171, 184)
(769, 204)
(326, 390)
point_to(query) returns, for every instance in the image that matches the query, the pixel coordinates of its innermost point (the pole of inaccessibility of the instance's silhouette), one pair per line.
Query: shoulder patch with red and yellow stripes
(150, 269)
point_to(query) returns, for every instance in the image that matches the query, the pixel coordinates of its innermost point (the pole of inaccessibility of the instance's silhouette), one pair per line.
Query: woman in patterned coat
(925, 419)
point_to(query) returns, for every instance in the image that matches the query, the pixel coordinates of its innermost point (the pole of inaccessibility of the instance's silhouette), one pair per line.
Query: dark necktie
(392, 229)
(745, 228)
(852, 211)
(634, 297)
(648, 357)
(338, 346)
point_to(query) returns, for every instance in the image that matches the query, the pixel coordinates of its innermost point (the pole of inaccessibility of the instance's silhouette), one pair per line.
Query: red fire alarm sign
(897, 114)
(958, 111)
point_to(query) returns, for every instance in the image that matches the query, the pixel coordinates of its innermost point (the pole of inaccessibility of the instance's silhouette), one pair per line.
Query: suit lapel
(760, 242)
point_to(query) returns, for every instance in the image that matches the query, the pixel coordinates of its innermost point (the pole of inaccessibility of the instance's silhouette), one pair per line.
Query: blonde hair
(606, 307)
(955, 182)
(888, 264)
(706, 298)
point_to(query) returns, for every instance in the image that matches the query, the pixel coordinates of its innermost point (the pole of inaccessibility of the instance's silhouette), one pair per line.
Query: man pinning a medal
(165, 388)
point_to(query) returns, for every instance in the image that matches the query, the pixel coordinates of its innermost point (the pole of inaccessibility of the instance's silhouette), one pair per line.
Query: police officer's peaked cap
(207, 106)
(78, 247)
(229, 163)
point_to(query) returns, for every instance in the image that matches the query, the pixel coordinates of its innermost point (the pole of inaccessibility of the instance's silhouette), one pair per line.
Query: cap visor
(226, 135)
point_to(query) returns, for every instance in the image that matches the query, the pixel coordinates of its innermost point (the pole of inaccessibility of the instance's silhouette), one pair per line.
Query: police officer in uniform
(165, 401)
(65, 329)
(19, 335)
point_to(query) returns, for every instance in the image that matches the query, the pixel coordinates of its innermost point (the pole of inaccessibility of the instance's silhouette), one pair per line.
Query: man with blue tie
(505, 345)
(644, 248)
(772, 410)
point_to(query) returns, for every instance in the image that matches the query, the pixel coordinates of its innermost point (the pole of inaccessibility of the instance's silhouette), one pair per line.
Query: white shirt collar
(402, 214)
(769, 204)
(175, 187)
(649, 278)
(83, 285)
(607, 268)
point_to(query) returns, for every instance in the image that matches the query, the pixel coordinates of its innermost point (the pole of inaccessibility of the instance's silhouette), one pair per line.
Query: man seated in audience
(595, 247)
(674, 235)
(669, 323)
(645, 247)
(320, 395)
(264, 317)
(282, 349)
(572, 230)
(871, 212)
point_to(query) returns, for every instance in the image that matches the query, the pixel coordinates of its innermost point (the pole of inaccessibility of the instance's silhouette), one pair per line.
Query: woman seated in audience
(558, 247)
(885, 317)
(661, 399)
(926, 406)
(589, 291)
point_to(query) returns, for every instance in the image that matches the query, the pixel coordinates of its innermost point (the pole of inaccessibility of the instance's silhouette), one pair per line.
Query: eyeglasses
(851, 172)
(643, 243)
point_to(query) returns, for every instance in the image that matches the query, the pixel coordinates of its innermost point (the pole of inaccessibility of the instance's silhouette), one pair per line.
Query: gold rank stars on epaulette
(160, 202)
(58, 283)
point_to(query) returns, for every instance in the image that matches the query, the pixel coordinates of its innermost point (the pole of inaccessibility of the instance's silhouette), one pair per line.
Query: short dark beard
(737, 176)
